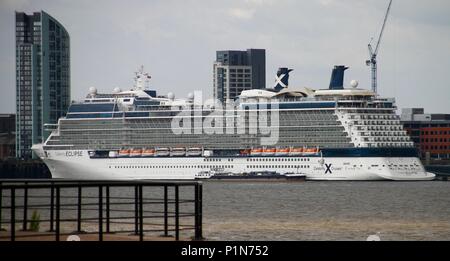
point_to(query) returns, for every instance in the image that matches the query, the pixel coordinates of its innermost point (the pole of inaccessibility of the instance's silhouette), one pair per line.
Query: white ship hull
(78, 164)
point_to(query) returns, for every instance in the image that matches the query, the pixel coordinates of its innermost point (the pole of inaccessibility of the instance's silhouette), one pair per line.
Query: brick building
(430, 132)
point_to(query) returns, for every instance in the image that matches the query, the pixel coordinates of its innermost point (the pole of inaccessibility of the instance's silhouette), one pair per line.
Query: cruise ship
(335, 133)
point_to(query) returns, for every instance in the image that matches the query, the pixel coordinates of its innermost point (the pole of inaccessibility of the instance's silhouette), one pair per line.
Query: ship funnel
(282, 79)
(337, 77)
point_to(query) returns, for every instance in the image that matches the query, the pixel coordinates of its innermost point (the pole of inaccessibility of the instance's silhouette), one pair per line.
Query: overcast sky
(176, 42)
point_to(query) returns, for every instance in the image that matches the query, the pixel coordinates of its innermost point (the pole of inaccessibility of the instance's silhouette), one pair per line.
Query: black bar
(136, 206)
(25, 207)
(79, 208)
(107, 208)
(100, 213)
(95, 183)
(141, 215)
(166, 217)
(13, 214)
(58, 208)
(177, 214)
(52, 206)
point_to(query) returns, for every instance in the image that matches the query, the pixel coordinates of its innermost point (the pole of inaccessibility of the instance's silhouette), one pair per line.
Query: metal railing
(94, 202)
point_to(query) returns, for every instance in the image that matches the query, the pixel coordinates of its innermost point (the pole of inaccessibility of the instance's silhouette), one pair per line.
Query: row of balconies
(374, 117)
(380, 128)
(384, 139)
(373, 122)
(382, 133)
(389, 144)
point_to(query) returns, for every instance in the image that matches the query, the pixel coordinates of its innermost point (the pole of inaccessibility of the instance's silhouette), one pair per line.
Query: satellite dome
(354, 83)
(117, 90)
(92, 90)
(190, 96)
(171, 95)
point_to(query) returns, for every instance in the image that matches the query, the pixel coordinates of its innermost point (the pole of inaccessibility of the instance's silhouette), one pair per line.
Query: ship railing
(103, 207)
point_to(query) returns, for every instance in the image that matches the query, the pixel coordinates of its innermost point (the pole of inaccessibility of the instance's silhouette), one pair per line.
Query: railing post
(141, 214)
(177, 214)
(13, 214)
(166, 216)
(79, 208)
(25, 207)
(52, 205)
(1, 204)
(100, 213)
(136, 206)
(107, 209)
(198, 224)
(200, 209)
(58, 208)
(196, 219)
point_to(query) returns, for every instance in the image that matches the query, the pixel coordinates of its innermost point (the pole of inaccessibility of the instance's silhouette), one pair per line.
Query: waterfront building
(430, 132)
(236, 71)
(42, 77)
(7, 136)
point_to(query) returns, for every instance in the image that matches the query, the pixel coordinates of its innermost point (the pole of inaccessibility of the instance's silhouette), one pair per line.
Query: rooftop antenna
(141, 79)
(373, 53)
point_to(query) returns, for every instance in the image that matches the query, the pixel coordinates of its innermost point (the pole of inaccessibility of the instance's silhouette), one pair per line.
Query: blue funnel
(337, 77)
(282, 79)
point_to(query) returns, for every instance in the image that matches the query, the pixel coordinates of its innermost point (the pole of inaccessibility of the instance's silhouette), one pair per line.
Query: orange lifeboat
(256, 152)
(136, 152)
(310, 151)
(296, 151)
(244, 152)
(148, 152)
(269, 151)
(124, 152)
(282, 151)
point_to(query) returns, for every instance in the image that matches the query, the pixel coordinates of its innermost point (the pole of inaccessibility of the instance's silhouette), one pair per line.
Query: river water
(326, 210)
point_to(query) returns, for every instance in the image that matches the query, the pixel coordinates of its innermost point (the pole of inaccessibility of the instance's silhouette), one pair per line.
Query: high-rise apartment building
(42, 77)
(235, 71)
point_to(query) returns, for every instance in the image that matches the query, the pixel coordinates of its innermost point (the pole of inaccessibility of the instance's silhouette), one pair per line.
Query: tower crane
(373, 53)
